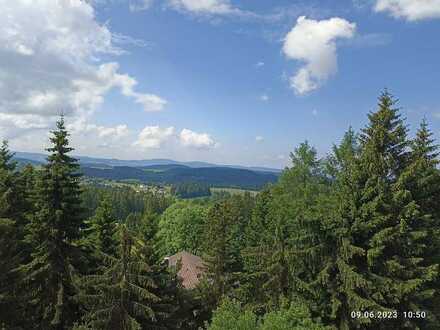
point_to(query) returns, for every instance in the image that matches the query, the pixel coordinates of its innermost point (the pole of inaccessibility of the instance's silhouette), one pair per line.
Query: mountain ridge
(87, 160)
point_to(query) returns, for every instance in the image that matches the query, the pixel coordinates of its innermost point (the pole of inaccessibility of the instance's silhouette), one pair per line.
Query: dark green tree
(13, 251)
(343, 278)
(9, 260)
(378, 230)
(343, 155)
(393, 222)
(13, 195)
(101, 229)
(294, 251)
(120, 296)
(258, 238)
(422, 179)
(52, 233)
(220, 257)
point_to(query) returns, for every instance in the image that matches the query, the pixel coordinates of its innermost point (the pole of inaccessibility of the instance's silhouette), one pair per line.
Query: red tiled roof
(191, 270)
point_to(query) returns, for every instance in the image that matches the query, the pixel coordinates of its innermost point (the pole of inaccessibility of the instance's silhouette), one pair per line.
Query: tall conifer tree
(101, 228)
(52, 233)
(381, 230)
(12, 248)
(120, 296)
(221, 263)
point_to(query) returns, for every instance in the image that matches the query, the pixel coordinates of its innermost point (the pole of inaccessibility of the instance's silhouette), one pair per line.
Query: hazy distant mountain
(166, 171)
(85, 160)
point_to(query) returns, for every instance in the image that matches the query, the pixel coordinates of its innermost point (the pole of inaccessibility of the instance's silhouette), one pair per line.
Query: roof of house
(191, 270)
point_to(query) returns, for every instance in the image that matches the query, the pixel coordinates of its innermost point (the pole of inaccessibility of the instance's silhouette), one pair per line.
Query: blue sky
(236, 82)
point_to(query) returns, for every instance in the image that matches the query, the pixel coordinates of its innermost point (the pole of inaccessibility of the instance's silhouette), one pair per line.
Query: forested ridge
(174, 174)
(347, 241)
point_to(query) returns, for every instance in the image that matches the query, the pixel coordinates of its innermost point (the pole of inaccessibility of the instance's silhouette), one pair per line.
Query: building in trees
(190, 268)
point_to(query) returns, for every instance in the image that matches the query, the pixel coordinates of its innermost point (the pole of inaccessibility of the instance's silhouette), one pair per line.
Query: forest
(350, 240)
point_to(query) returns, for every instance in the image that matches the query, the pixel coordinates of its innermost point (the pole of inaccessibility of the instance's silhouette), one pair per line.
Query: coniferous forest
(350, 240)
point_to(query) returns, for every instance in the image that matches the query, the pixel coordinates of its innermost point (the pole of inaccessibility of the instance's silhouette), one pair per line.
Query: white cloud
(313, 42)
(154, 137)
(264, 97)
(190, 138)
(207, 7)
(81, 126)
(411, 10)
(259, 64)
(259, 138)
(140, 5)
(25, 122)
(50, 61)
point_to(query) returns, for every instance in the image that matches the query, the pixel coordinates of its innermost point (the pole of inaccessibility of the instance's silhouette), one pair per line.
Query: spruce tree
(101, 229)
(297, 231)
(52, 233)
(284, 252)
(379, 235)
(9, 302)
(120, 296)
(13, 251)
(221, 264)
(12, 191)
(343, 278)
(343, 155)
(422, 178)
(257, 244)
(391, 219)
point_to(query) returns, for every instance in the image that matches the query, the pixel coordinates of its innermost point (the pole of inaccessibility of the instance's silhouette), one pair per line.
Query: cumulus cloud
(81, 126)
(190, 138)
(411, 10)
(50, 62)
(154, 137)
(259, 138)
(314, 42)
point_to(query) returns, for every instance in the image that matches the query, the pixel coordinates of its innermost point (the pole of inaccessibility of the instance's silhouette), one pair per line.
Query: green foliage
(231, 316)
(8, 262)
(124, 200)
(181, 228)
(191, 190)
(120, 297)
(13, 251)
(175, 174)
(221, 258)
(376, 232)
(101, 229)
(52, 231)
(295, 317)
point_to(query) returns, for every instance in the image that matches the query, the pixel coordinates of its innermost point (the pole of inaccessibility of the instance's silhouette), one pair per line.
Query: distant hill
(163, 171)
(172, 174)
(22, 162)
(38, 157)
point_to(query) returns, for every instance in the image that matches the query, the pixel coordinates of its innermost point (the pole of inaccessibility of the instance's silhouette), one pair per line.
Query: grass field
(234, 191)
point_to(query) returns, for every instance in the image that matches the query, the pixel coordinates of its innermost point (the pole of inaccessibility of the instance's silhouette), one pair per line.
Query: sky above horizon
(230, 82)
